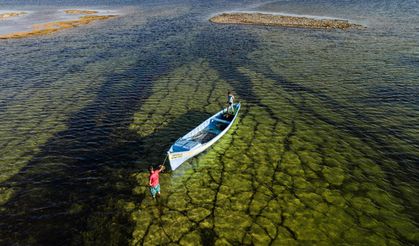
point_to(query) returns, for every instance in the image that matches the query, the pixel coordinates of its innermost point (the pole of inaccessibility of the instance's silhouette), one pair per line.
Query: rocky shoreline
(11, 14)
(282, 20)
(51, 27)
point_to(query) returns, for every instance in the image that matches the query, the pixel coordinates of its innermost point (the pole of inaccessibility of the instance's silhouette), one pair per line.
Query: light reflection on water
(83, 111)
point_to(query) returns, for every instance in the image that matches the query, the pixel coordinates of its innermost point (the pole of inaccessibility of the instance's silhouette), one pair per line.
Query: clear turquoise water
(325, 150)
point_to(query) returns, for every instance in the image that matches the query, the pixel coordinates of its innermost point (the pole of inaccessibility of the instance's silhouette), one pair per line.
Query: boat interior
(215, 127)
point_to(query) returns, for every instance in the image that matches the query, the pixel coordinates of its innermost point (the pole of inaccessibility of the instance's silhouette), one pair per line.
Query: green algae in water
(258, 185)
(287, 172)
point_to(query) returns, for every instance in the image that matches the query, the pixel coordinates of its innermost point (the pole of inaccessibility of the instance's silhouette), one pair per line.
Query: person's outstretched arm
(161, 168)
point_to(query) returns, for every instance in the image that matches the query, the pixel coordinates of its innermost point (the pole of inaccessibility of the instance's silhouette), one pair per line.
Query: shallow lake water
(325, 149)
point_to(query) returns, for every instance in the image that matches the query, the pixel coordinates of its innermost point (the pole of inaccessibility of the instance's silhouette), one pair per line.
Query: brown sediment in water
(281, 20)
(80, 12)
(11, 14)
(51, 27)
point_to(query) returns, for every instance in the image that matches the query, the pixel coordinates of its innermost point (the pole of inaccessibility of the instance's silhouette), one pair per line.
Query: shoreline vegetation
(282, 20)
(51, 27)
(11, 14)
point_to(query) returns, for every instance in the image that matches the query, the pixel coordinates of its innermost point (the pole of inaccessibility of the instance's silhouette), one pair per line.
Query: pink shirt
(154, 178)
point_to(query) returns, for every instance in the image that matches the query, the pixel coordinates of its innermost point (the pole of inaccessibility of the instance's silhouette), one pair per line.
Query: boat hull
(176, 158)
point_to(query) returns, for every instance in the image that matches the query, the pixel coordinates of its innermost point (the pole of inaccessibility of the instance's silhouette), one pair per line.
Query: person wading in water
(154, 181)
(230, 102)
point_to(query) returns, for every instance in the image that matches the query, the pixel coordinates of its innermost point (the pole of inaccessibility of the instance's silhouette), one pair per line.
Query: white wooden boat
(201, 137)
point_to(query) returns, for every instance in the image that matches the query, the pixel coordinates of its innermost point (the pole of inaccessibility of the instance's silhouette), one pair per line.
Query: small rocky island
(51, 27)
(282, 20)
(10, 15)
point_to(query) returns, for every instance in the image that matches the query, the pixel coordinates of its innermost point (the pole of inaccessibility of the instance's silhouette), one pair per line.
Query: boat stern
(176, 159)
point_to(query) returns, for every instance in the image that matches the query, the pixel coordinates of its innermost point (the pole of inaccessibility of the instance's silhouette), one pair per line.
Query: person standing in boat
(230, 102)
(154, 181)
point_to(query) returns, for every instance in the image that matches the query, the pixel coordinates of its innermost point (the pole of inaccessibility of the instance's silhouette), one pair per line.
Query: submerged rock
(334, 175)
(268, 182)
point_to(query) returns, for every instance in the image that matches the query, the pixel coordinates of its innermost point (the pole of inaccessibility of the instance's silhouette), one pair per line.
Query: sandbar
(80, 12)
(282, 20)
(51, 27)
(10, 15)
